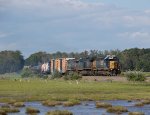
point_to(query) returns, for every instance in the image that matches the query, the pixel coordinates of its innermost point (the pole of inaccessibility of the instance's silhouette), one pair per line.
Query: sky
(73, 25)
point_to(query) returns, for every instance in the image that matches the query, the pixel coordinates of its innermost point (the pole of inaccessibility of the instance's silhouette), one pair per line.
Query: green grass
(146, 74)
(60, 90)
(10, 76)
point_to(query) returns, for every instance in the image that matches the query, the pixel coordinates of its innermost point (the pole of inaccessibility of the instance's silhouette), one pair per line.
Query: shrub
(73, 76)
(26, 73)
(56, 74)
(135, 76)
(59, 112)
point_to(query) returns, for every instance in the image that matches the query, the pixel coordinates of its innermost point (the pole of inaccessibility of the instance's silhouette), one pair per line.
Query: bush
(73, 76)
(135, 76)
(26, 73)
(56, 74)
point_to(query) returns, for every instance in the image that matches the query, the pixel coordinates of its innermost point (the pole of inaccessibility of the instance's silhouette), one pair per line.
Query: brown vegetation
(71, 103)
(102, 105)
(117, 109)
(19, 104)
(58, 112)
(9, 110)
(136, 113)
(2, 112)
(51, 103)
(145, 102)
(31, 110)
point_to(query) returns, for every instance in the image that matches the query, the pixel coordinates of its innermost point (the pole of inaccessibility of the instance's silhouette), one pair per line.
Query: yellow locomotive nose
(113, 65)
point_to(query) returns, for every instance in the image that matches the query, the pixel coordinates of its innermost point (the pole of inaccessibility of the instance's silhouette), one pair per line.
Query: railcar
(85, 66)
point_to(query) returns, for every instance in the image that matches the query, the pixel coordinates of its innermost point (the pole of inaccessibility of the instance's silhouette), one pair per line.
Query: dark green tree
(37, 58)
(11, 61)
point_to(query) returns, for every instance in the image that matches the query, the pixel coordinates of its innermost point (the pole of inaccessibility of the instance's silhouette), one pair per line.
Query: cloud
(3, 34)
(8, 46)
(49, 4)
(147, 11)
(137, 20)
(136, 36)
(70, 25)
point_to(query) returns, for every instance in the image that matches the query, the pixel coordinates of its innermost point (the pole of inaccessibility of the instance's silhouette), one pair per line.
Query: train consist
(85, 66)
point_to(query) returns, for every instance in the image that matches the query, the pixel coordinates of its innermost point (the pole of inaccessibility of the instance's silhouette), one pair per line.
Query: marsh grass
(117, 109)
(2, 112)
(31, 110)
(59, 112)
(140, 104)
(102, 105)
(51, 103)
(144, 102)
(5, 106)
(10, 110)
(71, 102)
(136, 113)
(19, 104)
(59, 90)
(11, 101)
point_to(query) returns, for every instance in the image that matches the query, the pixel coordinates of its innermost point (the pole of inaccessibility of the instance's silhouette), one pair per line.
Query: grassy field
(60, 90)
(146, 74)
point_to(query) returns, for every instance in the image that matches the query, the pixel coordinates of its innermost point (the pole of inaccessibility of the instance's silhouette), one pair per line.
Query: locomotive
(86, 66)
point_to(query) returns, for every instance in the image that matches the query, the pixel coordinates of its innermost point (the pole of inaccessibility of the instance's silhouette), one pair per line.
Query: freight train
(109, 65)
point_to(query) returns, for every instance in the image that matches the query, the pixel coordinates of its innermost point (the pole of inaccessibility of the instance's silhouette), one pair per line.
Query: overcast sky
(73, 25)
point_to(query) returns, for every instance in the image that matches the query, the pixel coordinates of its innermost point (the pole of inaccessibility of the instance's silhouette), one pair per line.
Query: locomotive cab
(112, 63)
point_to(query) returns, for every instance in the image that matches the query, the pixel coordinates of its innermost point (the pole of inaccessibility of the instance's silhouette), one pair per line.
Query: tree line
(11, 61)
(130, 59)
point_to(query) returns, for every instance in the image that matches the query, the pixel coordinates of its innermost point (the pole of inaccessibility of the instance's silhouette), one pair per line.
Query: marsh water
(86, 108)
